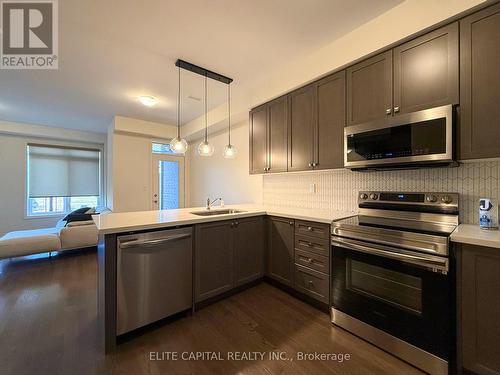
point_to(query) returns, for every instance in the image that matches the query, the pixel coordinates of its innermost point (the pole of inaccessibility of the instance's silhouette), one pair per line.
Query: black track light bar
(202, 71)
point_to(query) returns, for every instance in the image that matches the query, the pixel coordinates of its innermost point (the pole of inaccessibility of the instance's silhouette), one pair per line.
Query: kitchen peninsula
(290, 246)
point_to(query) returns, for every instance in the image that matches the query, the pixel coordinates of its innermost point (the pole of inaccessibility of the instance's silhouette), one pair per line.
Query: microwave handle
(435, 263)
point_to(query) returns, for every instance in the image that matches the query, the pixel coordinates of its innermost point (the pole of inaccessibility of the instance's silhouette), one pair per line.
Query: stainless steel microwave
(422, 138)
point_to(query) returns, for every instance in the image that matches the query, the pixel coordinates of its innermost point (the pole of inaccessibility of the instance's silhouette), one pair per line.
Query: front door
(168, 182)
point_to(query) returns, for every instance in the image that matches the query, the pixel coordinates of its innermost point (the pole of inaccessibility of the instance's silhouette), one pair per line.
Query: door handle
(432, 262)
(148, 243)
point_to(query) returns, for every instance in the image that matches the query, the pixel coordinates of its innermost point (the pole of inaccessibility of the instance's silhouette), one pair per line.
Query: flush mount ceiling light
(179, 145)
(148, 100)
(205, 148)
(229, 150)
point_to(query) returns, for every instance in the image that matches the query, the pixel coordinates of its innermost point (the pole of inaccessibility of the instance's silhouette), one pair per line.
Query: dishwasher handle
(155, 242)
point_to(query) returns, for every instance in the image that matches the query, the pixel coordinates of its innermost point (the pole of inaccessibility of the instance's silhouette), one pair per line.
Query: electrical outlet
(312, 188)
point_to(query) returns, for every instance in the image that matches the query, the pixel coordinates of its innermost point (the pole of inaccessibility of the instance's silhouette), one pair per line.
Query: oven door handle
(431, 262)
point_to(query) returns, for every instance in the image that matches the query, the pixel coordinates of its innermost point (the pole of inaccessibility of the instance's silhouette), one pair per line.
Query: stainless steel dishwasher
(154, 277)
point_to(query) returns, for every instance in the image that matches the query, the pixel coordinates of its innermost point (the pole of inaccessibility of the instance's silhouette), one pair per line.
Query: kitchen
(247, 187)
(409, 133)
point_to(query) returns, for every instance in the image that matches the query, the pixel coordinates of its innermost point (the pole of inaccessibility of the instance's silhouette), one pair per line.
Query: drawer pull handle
(310, 244)
(310, 282)
(291, 223)
(309, 229)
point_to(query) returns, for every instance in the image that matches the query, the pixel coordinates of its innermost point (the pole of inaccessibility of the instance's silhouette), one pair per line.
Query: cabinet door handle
(310, 282)
(309, 229)
(291, 223)
(310, 164)
(309, 244)
(236, 223)
(396, 109)
(388, 111)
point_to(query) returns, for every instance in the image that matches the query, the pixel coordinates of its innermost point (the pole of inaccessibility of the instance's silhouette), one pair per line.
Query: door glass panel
(395, 288)
(168, 173)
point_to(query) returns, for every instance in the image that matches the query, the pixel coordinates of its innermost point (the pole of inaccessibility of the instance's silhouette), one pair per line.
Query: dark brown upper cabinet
(330, 122)
(277, 120)
(369, 89)
(480, 84)
(301, 120)
(426, 71)
(258, 139)
(268, 137)
(417, 75)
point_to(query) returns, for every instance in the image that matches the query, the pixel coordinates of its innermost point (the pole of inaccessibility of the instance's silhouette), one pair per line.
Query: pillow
(82, 214)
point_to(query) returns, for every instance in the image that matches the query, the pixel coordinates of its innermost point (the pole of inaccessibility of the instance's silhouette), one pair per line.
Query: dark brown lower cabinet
(280, 253)
(228, 254)
(249, 249)
(213, 259)
(479, 309)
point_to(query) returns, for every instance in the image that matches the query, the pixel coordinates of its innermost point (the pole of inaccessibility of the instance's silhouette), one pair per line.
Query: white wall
(13, 140)
(227, 178)
(130, 181)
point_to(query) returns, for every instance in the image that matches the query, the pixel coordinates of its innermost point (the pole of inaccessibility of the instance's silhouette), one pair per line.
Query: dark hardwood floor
(48, 326)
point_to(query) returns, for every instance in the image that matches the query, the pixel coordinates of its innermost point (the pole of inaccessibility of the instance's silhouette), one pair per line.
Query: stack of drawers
(312, 259)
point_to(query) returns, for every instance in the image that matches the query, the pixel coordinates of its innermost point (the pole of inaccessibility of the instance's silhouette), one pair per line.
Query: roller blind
(62, 172)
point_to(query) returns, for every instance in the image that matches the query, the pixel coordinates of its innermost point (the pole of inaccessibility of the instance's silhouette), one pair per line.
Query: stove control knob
(446, 199)
(373, 196)
(363, 196)
(431, 198)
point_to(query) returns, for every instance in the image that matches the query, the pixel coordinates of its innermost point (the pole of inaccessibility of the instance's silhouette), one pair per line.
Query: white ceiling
(111, 51)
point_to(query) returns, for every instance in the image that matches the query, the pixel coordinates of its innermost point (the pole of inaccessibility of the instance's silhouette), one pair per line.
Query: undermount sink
(216, 212)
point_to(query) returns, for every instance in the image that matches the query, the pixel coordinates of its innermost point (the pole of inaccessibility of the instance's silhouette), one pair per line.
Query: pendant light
(178, 145)
(229, 151)
(205, 148)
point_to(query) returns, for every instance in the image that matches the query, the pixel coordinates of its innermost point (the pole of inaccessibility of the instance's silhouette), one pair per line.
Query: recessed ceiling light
(148, 100)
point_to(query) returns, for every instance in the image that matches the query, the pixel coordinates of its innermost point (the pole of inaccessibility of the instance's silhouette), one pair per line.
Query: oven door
(403, 293)
(417, 137)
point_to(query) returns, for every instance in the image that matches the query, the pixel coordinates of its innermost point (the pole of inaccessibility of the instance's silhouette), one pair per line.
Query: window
(161, 148)
(62, 179)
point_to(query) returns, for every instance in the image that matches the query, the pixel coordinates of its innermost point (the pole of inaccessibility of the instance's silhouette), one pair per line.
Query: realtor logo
(29, 34)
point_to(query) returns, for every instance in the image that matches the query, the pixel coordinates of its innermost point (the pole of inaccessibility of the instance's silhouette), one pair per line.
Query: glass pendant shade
(205, 149)
(178, 145)
(230, 152)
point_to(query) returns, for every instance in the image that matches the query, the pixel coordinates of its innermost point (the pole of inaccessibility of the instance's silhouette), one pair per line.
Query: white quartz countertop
(143, 220)
(473, 235)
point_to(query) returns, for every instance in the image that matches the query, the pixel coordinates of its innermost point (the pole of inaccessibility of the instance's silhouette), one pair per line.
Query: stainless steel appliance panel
(419, 137)
(154, 277)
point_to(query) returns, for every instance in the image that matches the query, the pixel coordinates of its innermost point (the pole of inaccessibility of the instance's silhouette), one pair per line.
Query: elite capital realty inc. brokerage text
(248, 356)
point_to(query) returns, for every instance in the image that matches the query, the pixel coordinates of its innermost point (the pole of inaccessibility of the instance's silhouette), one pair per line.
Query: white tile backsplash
(338, 189)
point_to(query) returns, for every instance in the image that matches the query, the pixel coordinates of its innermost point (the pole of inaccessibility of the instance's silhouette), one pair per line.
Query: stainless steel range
(392, 278)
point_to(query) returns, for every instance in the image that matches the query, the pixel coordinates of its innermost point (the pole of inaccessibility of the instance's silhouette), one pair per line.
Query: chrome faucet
(210, 204)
